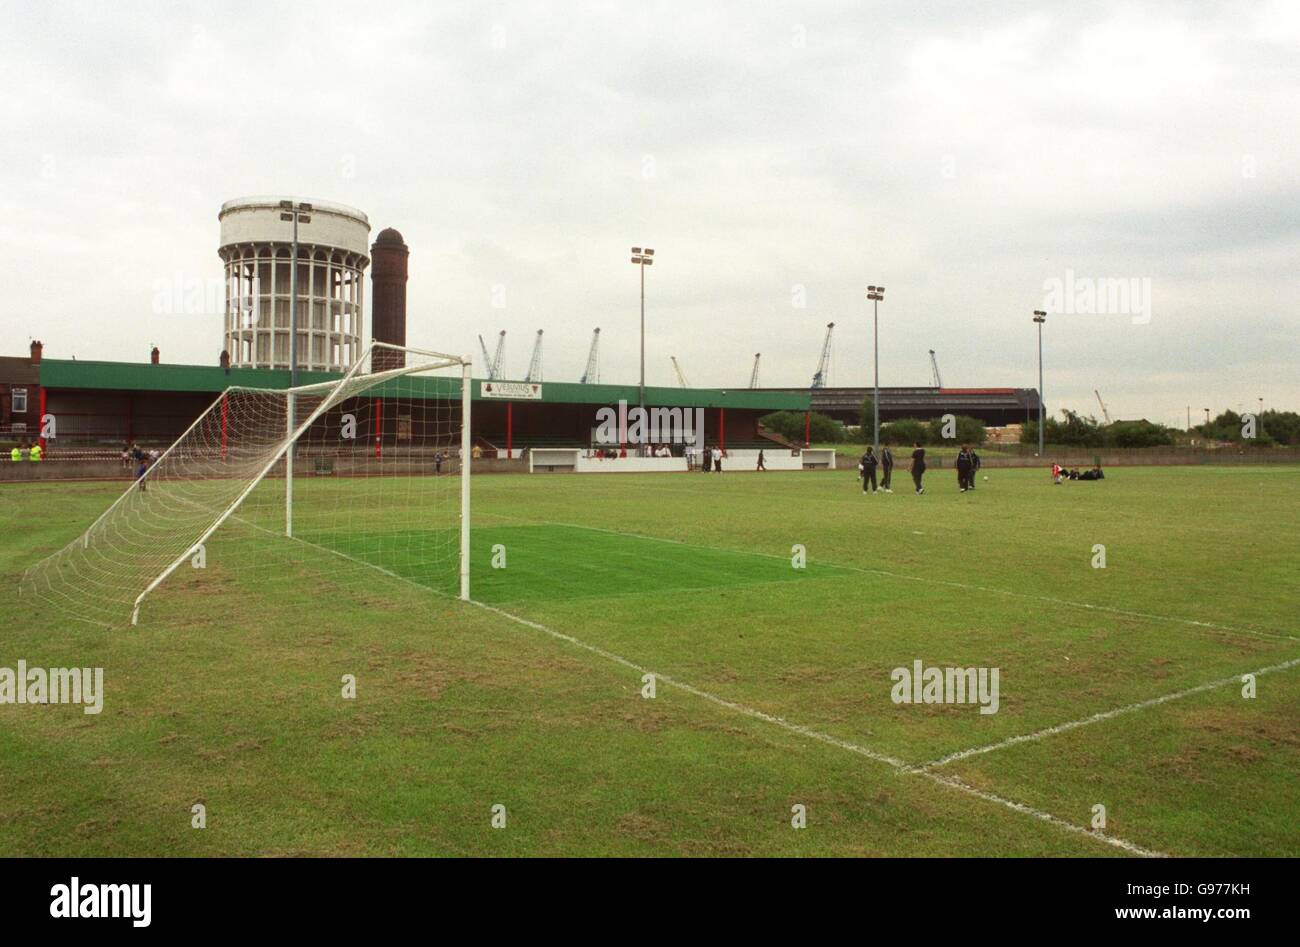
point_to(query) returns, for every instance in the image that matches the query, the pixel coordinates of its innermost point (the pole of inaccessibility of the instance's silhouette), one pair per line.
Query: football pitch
(771, 612)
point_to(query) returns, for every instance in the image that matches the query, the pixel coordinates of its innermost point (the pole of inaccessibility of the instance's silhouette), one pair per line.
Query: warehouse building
(996, 407)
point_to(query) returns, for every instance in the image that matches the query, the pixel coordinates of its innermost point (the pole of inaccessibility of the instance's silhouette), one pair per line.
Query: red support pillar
(722, 429)
(225, 424)
(41, 420)
(510, 428)
(807, 429)
(379, 426)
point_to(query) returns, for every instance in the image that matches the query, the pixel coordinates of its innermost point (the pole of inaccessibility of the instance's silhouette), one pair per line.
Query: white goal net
(344, 482)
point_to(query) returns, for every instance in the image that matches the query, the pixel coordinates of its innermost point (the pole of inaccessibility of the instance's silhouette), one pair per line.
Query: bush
(904, 431)
(1074, 431)
(790, 425)
(1138, 434)
(967, 431)
(1078, 431)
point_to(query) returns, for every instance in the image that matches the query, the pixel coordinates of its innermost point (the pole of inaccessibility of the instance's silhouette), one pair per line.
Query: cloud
(959, 156)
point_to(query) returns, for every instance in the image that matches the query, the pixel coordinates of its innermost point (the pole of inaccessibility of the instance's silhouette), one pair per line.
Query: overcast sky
(779, 157)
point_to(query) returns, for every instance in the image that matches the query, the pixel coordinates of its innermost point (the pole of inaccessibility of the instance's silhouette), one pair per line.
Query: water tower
(257, 250)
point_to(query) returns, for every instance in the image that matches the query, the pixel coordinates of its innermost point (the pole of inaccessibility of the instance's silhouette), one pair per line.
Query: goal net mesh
(349, 482)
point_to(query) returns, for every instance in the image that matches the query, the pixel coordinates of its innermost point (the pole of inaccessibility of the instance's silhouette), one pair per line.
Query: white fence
(579, 460)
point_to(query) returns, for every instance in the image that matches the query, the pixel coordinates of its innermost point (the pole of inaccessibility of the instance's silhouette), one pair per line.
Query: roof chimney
(153, 356)
(37, 347)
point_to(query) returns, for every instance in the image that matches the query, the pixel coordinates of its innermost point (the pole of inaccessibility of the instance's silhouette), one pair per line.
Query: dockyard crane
(753, 376)
(934, 366)
(492, 363)
(824, 364)
(1104, 413)
(681, 379)
(592, 375)
(535, 363)
(499, 359)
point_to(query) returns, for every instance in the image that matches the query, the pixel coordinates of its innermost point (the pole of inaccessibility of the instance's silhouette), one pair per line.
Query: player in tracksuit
(963, 468)
(869, 462)
(918, 467)
(974, 468)
(886, 468)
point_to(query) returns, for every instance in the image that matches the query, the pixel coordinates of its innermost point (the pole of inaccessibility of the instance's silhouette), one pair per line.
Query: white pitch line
(1099, 717)
(901, 767)
(1232, 629)
(898, 765)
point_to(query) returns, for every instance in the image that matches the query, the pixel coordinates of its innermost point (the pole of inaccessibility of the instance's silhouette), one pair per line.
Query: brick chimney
(153, 356)
(388, 268)
(37, 347)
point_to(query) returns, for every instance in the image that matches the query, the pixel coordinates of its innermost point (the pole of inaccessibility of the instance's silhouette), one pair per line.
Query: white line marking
(903, 768)
(1105, 715)
(898, 765)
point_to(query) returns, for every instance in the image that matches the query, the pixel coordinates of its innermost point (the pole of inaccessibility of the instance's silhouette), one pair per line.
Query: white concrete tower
(257, 247)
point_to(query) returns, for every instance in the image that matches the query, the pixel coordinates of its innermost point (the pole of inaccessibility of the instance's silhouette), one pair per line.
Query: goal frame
(440, 360)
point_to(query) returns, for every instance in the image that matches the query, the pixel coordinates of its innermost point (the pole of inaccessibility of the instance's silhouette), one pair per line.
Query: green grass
(228, 692)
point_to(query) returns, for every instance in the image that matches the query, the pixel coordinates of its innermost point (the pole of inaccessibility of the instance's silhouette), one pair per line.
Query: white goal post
(366, 451)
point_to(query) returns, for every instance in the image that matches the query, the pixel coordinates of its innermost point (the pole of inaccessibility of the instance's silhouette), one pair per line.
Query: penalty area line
(896, 764)
(1099, 717)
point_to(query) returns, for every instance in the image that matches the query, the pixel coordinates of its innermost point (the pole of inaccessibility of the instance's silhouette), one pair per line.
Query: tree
(1282, 426)
(868, 414)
